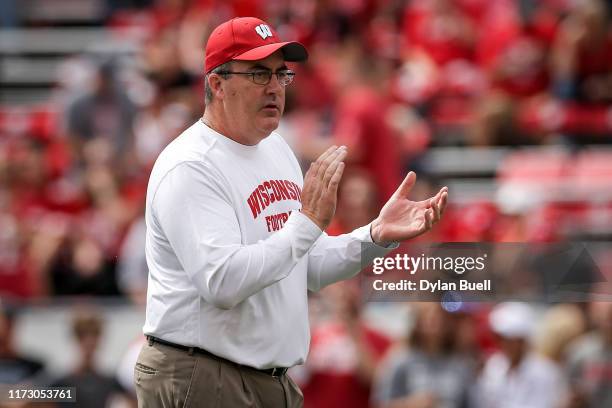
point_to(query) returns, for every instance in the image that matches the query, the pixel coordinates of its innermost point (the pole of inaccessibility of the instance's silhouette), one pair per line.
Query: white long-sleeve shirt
(230, 257)
(535, 383)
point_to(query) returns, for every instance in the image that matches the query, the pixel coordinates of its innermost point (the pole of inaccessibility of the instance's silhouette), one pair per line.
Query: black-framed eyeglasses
(263, 77)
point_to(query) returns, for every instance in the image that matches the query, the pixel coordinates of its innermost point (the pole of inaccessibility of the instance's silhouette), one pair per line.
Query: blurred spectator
(430, 370)
(438, 30)
(558, 328)
(27, 175)
(93, 388)
(439, 76)
(84, 261)
(162, 64)
(582, 73)
(308, 119)
(15, 368)
(513, 50)
(582, 67)
(104, 113)
(590, 361)
(132, 270)
(14, 277)
(514, 46)
(9, 14)
(81, 268)
(358, 203)
(155, 126)
(47, 237)
(110, 212)
(362, 121)
(24, 200)
(516, 376)
(343, 355)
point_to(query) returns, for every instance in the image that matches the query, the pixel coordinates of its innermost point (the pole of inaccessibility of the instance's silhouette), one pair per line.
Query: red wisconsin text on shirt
(271, 191)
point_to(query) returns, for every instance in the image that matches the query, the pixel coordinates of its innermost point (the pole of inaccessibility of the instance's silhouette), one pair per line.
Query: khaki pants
(166, 377)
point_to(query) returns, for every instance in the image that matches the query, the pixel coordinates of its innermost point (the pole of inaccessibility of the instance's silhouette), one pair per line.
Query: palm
(402, 219)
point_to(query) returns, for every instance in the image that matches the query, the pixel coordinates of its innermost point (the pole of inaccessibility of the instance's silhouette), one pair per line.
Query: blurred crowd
(388, 78)
(508, 355)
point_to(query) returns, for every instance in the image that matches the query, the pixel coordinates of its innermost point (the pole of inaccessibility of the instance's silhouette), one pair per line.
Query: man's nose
(274, 86)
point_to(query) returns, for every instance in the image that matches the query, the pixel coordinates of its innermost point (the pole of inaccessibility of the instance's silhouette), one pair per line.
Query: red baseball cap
(248, 39)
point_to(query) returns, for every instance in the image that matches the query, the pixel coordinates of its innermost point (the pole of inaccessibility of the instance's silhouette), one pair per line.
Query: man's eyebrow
(263, 67)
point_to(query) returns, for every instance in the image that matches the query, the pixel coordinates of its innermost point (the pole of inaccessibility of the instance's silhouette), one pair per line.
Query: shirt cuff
(303, 232)
(364, 234)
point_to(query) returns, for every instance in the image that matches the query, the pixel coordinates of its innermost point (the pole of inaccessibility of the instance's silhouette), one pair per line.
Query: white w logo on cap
(264, 31)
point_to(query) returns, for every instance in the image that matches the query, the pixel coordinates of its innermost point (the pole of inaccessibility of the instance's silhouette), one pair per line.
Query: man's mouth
(271, 106)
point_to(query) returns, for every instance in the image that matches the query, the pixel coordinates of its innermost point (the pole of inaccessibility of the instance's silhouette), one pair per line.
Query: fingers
(319, 194)
(336, 159)
(429, 216)
(406, 186)
(335, 179)
(314, 166)
(323, 161)
(443, 199)
(435, 208)
(438, 203)
(318, 167)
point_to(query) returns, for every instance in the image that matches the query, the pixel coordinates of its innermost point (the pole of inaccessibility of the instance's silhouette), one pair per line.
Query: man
(590, 358)
(15, 368)
(516, 376)
(235, 237)
(95, 389)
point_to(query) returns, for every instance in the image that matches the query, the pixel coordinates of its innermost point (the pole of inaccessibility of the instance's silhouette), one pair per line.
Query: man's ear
(215, 82)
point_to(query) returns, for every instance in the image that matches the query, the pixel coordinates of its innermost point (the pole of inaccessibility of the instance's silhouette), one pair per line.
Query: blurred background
(508, 102)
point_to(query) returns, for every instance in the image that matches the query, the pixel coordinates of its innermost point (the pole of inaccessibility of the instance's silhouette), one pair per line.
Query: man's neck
(213, 121)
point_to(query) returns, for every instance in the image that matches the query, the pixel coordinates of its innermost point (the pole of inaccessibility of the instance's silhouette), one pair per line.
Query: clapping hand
(401, 219)
(320, 192)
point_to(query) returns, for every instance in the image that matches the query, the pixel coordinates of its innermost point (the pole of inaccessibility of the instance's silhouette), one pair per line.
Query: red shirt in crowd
(443, 33)
(514, 52)
(361, 126)
(332, 364)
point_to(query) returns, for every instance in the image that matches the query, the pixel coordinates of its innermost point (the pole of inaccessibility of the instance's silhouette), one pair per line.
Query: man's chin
(269, 124)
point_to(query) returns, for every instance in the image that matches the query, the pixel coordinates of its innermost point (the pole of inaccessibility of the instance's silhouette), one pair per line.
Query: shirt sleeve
(333, 259)
(197, 217)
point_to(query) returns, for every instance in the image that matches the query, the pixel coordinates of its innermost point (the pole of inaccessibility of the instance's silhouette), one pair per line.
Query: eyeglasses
(263, 77)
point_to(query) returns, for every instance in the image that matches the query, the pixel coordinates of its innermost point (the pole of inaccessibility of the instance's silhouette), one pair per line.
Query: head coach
(235, 237)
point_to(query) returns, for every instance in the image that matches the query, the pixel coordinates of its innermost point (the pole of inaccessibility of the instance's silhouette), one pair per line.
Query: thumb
(404, 188)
